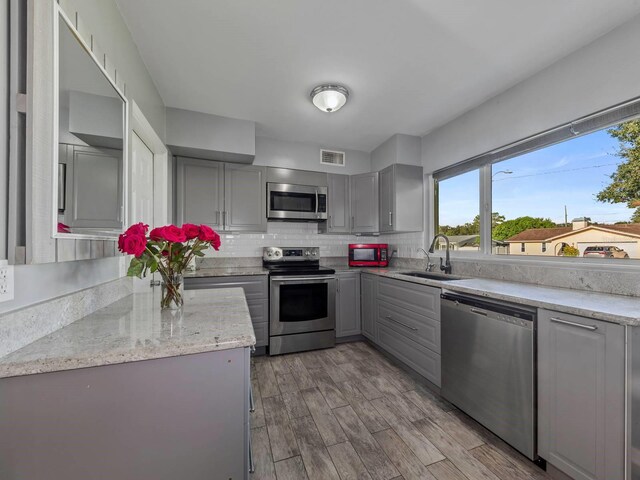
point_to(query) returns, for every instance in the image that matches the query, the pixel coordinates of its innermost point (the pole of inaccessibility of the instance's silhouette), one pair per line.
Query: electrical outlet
(6, 281)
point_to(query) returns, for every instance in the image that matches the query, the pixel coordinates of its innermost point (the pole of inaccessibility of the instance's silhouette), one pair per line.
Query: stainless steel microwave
(304, 203)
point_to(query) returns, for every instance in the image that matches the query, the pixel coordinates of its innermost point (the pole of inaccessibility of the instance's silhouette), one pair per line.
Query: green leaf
(135, 268)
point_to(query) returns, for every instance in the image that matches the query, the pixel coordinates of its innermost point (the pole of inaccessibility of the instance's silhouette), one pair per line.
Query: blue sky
(542, 183)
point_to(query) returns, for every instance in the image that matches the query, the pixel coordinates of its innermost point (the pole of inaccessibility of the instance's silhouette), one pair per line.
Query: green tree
(471, 228)
(625, 181)
(509, 228)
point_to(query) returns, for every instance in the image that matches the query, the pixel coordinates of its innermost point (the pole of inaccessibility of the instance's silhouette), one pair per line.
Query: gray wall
(4, 126)
(100, 18)
(597, 76)
(306, 156)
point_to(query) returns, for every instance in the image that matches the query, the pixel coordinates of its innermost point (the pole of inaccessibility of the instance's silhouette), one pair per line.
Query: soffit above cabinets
(410, 65)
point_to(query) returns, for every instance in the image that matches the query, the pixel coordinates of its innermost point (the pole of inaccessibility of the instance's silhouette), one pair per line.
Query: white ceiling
(411, 65)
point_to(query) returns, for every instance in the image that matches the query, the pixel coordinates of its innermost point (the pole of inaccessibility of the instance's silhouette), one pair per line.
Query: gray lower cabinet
(364, 203)
(407, 317)
(581, 395)
(347, 304)
(225, 196)
(368, 305)
(162, 419)
(256, 291)
(401, 199)
(338, 205)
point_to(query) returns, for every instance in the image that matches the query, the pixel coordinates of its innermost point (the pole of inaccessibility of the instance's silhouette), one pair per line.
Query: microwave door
(298, 202)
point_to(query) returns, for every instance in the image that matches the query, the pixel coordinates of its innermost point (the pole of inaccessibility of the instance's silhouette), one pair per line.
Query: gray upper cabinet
(225, 196)
(338, 200)
(369, 305)
(92, 186)
(364, 203)
(581, 395)
(347, 304)
(401, 186)
(245, 193)
(200, 192)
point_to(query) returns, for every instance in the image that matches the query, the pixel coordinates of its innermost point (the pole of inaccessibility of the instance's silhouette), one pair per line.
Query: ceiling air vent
(330, 157)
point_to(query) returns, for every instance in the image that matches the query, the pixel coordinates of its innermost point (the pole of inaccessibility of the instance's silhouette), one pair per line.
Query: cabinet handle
(337, 284)
(390, 218)
(478, 312)
(574, 324)
(217, 217)
(252, 405)
(352, 223)
(224, 219)
(330, 221)
(400, 323)
(252, 467)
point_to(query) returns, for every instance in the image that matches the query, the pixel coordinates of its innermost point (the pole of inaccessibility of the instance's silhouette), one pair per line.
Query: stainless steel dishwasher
(489, 365)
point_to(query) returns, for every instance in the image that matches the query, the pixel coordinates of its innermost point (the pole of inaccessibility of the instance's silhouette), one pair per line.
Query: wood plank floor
(349, 413)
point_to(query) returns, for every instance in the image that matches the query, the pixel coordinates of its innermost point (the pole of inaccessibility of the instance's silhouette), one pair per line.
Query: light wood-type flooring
(349, 413)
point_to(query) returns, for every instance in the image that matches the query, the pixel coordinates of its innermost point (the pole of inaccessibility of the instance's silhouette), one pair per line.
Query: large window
(458, 213)
(566, 193)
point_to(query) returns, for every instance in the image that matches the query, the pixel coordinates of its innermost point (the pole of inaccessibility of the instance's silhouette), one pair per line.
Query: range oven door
(296, 202)
(302, 304)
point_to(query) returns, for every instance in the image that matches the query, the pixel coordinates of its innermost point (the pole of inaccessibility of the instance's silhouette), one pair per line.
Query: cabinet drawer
(418, 298)
(424, 361)
(262, 333)
(255, 286)
(259, 310)
(422, 329)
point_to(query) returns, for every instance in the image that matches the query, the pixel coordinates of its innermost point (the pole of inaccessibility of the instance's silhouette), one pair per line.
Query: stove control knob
(269, 253)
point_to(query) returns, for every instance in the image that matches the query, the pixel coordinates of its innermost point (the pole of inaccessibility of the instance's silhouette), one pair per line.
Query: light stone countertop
(620, 309)
(134, 328)
(226, 272)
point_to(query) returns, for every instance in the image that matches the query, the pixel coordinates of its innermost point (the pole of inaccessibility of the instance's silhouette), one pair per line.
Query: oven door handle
(298, 279)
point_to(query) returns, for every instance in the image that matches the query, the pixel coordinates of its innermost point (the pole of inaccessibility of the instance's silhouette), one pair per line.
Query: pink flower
(132, 244)
(207, 234)
(191, 231)
(170, 233)
(137, 229)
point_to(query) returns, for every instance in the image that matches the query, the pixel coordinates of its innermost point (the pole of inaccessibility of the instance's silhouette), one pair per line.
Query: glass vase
(172, 292)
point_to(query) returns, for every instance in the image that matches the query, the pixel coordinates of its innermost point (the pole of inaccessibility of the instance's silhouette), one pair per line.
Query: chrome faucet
(429, 264)
(446, 268)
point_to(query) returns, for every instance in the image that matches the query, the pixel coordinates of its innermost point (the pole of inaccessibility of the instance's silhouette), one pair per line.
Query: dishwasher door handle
(478, 312)
(573, 324)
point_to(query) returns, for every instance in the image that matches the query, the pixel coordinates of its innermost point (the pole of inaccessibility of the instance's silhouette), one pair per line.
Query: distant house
(581, 234)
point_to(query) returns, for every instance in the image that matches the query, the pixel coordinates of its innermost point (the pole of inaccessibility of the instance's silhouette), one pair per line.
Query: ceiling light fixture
(329, 98)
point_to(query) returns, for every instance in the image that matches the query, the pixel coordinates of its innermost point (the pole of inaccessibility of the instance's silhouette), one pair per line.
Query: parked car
(605, 252)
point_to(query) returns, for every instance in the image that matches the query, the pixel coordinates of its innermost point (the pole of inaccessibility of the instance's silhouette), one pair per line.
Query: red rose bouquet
(166, 250)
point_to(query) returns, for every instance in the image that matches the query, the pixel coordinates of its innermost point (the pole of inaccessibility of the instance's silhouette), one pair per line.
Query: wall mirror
(89, 188)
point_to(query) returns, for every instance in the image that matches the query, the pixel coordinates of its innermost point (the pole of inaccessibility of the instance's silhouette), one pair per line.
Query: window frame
(600, 120)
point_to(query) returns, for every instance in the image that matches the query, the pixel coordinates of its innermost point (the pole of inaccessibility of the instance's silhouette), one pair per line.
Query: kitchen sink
(430, 276)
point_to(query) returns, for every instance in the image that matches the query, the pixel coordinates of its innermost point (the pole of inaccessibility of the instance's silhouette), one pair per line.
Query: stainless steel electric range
(302, 298)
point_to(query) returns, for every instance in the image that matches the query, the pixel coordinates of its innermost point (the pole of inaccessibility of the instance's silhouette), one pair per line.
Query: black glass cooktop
(299, 270)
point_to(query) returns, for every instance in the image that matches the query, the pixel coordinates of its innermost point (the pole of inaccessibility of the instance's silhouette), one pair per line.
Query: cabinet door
(245, 196)
(347, 304)
(581, 395)
(387, 197)
(96, 191)
(369, 307)
(364, 203)
(338, 204)
(200, 192)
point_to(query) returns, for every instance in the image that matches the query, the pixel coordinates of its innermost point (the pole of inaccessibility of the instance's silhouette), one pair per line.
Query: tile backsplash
(306, 235)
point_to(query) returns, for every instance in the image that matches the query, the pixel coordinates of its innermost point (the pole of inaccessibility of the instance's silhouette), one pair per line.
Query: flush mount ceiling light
(329, 98)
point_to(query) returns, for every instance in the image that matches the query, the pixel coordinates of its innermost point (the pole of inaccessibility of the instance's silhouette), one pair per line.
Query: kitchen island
(131, 391)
